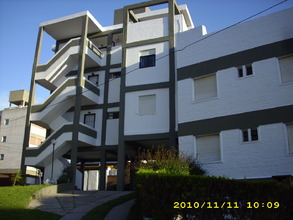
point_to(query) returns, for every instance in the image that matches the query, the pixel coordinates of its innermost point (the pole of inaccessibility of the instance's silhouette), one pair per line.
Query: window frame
(6, 122)
(139, 105)
(2, 156)
(288, 139)
(245, 71)
(147, 58)
(280, 69)
(114, 75)
(194, 99)
(247, 135)
(4, 139)
(220, 148)
(112, 115)
(94, 121)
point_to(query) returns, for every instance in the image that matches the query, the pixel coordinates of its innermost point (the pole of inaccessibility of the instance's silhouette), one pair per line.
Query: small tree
(18, 179)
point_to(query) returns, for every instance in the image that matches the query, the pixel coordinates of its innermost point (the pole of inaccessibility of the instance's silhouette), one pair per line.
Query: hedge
(202, 197)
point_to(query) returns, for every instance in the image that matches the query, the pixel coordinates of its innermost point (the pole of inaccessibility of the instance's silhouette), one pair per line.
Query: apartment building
(153, 78)
(12, 122)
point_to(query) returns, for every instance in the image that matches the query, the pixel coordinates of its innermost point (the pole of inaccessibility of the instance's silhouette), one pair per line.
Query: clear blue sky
(20, 19)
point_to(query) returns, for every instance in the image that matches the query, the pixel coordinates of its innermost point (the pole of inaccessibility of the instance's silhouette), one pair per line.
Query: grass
(100, 212)
(14, 201)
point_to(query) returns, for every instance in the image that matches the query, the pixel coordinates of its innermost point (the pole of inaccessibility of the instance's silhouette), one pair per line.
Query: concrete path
(120, 212)
(73, 205)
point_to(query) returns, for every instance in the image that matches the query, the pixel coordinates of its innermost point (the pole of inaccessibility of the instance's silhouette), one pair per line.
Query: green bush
(157, 194)
(164, 160)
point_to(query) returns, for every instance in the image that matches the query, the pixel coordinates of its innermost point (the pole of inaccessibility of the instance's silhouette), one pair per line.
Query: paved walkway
(74, 205)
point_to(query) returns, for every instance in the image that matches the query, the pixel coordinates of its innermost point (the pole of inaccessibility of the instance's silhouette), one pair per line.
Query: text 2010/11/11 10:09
(229, 205)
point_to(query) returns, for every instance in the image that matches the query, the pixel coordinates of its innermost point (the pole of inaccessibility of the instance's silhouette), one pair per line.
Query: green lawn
(15, 199)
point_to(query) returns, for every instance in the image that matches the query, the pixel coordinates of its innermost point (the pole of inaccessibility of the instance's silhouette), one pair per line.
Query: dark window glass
(115, 75)
(240, 72)
(113, 115)
(147, 61)
(249, 70)
(254, 135)
(245, 135)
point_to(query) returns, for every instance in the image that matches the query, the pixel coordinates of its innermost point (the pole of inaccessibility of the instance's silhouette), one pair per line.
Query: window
(147, 58)
(6, 122)
(290, 137)
(94, 79)
(205, 87)
(1, 156)
(147, 105)
(286, 68)
(4, 139)
(250, 134)
(115, 75)
(89, 119)
(112, 115)
(245, 70)
(208, 148)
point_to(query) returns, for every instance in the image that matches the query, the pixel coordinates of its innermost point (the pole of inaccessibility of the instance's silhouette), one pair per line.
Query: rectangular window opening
(205, 87)
(147, 58)
(208, 148)
(4, 139)
(6, 122)
(1, 156)
(286, 69)
(113, 115)
(245, 70)
(89, 119)
(147, 105)
(290, 137)
(115, 75)
(249, 135)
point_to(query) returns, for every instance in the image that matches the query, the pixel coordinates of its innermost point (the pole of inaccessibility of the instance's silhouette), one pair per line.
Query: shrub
(157, 194)
(164, 160)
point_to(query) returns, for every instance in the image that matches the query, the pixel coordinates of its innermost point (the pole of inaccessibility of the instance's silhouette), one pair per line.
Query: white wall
(155, 74)
(260, 91)
(147, 30)
(263, 158)
(251, 34)
(146, 124)
(98, 122)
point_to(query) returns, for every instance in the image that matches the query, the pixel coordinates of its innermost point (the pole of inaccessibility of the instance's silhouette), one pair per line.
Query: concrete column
(77, 107)
(121, 146)
(31, 99)
(103, 168)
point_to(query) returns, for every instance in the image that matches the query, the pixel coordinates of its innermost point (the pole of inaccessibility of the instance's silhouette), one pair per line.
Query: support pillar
(103, 169)
(31, 99)
(77, 107)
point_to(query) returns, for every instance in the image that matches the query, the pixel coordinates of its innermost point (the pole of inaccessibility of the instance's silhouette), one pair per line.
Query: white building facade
(154, 79)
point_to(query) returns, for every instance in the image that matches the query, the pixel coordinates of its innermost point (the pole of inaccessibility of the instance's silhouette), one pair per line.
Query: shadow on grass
(27, 214)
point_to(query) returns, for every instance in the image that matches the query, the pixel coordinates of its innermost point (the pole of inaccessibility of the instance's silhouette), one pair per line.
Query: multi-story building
(12, 122)
(153, 78)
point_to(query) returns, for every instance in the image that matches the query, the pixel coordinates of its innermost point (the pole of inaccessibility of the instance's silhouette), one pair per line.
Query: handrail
(69, 44)
(59, 90)
(66, 128)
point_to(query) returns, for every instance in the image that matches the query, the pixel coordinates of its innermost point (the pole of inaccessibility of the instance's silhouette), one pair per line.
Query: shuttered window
(290, 137)
(147, 105)
(286, 68)
(208, 148)
(205, 87)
